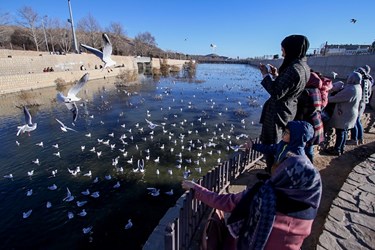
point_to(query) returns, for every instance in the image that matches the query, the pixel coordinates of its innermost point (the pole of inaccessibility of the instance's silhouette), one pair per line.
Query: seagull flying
(151, 125)
(64, 127)
(353, 20)
(29, 126)
(71, 98)
(105, 56)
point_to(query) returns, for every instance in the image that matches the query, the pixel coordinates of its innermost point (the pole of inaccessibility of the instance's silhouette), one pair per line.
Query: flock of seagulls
(167, 142)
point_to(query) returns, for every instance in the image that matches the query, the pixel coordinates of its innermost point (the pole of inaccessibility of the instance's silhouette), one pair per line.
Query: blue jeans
(356, 133)
(341, 135)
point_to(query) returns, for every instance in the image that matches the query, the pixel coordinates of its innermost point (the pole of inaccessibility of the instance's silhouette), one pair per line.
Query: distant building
(345, 49)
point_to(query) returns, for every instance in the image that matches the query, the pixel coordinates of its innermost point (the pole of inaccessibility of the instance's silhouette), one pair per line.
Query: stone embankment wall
(341, 64)
(23, 70)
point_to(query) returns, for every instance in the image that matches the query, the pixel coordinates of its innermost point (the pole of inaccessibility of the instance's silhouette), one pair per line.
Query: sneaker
(352, 142)
(361, 142)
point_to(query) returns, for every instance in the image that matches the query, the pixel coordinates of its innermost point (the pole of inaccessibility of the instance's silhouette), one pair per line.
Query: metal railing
(180, 232)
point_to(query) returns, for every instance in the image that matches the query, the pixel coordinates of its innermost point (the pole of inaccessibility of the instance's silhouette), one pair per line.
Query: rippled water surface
(200, 119)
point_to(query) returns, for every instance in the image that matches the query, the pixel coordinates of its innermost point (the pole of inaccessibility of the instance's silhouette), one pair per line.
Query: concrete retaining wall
(23, 70)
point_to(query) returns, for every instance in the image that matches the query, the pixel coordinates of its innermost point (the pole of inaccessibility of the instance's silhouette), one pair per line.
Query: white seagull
(105, 56)
(64, 127)
(129, 224)
(29, 126)
(69, 196)
(26, 214)
(86, 230)
(151, 125)
(71, 98)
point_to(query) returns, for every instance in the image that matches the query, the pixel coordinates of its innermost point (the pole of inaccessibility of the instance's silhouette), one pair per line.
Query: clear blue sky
(244, 28)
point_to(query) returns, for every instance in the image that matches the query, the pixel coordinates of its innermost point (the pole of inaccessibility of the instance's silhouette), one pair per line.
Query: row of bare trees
(32, 31)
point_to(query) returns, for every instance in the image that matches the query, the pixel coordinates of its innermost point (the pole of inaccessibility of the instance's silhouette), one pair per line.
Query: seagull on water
(52, 187)
(81, 203)
(153, 191)
(69, 196)
(129, 224)
(117, 185)
(48, 204)
(54, 172)
(70, 215)
(29, 192)
(29, 126)
(37, 162)
(86, 192)
(8, 176)
(71, 98)
(95, 194)
(30, 173)
(82, 213)
(87, 230)
(25, 215)
(105, 56)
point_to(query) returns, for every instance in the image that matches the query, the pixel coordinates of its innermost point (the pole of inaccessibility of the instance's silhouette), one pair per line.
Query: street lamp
(44, 31)
(70, 20)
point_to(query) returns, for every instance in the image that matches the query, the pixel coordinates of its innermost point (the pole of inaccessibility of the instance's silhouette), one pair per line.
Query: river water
(198, 122)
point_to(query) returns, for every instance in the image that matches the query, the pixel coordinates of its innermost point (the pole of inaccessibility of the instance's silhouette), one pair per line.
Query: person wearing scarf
(284, 87)
(277, 213)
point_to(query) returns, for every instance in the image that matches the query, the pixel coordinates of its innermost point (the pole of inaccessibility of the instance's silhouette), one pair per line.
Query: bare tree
(63, 36)
(144, 42)
(5, 32)
(91, 28)
(4, 20)
(117, 34)
(52, 26)
(29, 20)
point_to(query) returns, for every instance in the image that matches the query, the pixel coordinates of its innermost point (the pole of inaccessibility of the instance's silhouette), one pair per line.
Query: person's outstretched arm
(224, 202)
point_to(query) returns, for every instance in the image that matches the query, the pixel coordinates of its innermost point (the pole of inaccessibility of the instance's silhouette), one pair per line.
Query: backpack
(366, 89)
(215, 234)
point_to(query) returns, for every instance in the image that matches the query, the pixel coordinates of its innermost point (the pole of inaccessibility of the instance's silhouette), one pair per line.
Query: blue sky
(243, 28)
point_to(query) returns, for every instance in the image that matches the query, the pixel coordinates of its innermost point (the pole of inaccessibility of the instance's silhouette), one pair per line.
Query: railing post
(169, 238)
(178, 234)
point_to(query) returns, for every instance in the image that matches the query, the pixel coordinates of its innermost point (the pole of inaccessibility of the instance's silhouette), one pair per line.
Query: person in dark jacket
(284, 86)
(277, 213)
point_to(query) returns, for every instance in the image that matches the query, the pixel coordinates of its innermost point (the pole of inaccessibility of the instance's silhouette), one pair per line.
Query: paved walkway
(350, 223)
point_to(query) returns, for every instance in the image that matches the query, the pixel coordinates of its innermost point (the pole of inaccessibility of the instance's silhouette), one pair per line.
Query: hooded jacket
(300, 133)
(347, 103)
(294, 72)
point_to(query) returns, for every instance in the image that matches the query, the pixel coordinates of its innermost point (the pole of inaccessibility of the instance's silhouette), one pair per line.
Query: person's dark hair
(295, 47)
